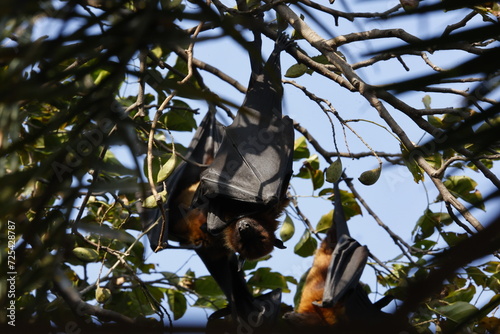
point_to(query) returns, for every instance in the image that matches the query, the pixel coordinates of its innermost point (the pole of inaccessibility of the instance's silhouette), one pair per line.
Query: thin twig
(159, 200)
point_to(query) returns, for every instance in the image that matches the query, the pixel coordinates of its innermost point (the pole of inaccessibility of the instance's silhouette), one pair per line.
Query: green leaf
(425, 226)
(150, 201)
(167, 168)
(172, 278)
(310, 170)
(334, 171)
(263, 278)
(296, 70)
(477, 276)
(349, 203)
(464, 295)
(113, 166)
(492, 267)
(287, 229)
(300, 286)
(306, 246)
(86, 254)
(435, 160)
(177, 303)
(216, 303)
(464, 187)
(207, 287)
(172, 4)
(435, 121)
(411, 164)
(100, 76)
(300, 150)
(321, 59)
(325, 222)
(453, 238)
(426, 100)
(180, 117)
(428, 221)
(457, 311)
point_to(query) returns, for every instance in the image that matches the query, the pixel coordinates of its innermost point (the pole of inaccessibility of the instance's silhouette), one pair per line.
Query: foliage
(71, 200)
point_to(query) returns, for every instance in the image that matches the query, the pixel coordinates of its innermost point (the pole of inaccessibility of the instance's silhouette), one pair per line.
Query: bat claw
(283, 42)
(279, 244)
(241, 263)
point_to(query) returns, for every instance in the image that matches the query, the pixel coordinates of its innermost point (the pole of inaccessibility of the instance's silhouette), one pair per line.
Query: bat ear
(215, 224)
(279, 244)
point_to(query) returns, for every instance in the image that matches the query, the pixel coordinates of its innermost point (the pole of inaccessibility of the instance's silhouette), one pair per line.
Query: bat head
(249, 237)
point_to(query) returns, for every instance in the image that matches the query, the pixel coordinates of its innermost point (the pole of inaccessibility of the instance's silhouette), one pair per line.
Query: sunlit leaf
(477, 275)
(287, 229)
(166, 169)
(426, 100)
(464, 294)
(411, 164)
(325, 222)
(464, 187)
(300, 150)
(457, 311)
(307, 245)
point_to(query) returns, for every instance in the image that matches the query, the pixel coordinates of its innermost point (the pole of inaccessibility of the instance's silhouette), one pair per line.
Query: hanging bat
(185, 224)
(332, 294)
(244, 189)
(188, 221)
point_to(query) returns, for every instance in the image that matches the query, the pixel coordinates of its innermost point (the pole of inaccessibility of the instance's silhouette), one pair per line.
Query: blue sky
(396, 198)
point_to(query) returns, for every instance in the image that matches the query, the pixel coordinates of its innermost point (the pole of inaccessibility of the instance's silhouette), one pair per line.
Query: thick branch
(209, 68)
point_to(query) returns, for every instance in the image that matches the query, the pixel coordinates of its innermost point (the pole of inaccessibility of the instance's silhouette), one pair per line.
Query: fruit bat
(332, 294)
(244, 189)
(257, 144)
(185, 224)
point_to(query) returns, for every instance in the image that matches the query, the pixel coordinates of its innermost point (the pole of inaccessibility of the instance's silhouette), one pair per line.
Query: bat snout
(244, 224)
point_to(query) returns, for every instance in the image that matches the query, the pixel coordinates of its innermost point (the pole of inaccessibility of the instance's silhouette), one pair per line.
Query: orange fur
(188, 225)
(257, 244)
(313, 290)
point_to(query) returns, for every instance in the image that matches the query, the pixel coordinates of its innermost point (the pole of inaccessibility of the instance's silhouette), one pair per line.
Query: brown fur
(256, 239)
(256, 243)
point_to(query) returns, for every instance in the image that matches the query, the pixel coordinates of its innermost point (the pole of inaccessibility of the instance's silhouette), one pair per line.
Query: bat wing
(254, 162)
(348, 258)
(201, 151)
(348, 261)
